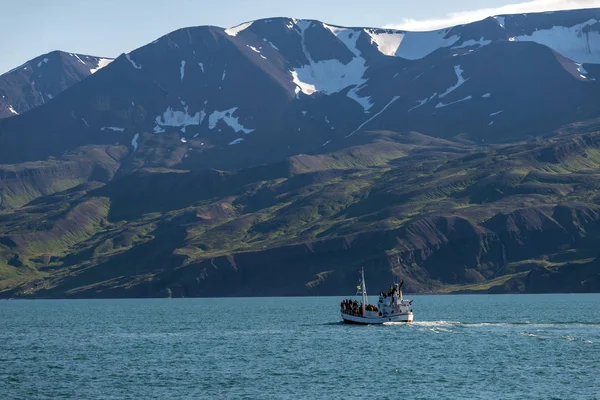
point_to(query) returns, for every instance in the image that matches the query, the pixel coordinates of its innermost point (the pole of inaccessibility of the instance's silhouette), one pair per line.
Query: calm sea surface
(475, 347)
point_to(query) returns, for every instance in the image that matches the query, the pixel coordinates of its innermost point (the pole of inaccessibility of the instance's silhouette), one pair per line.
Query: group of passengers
(351, 307)
(355, 308)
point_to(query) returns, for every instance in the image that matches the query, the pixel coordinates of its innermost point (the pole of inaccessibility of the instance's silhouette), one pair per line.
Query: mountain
(278, 156)
(272, 88)
(43, 78)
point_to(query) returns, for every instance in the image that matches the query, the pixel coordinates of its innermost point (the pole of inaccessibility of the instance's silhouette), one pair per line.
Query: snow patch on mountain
(460, 81)
(236, 141)
(387, 43)
(374, 116)
(254, 49)
(182, 69)
(500, 20)
(365, 102)
(134, 141)
(12, 110)
(227, 117)
(442, 105)
(78, 59)
(421, 103)
(237, 29)
(496, 113)
(487, 95)
(112, 128)
(44, 61)
(472, 43)
(582, 72)
(416, 45)
(271, 44)
(332, 76)
(175, 118)
(347, 36)
(575, 42)
(329, 76)
(135, 65)
(201, 66)
(102, 62)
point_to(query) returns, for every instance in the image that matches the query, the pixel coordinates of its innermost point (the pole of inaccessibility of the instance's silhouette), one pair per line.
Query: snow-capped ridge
(387, 42)
(417, 45)
(234, 31)
(575, 42)
(102, 62)
(501, 20)
(332, 76)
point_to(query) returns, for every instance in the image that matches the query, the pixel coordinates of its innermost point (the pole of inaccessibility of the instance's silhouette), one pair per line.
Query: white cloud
(464, 17)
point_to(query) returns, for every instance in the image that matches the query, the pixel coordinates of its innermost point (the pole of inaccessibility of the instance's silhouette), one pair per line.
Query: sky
(108, 28)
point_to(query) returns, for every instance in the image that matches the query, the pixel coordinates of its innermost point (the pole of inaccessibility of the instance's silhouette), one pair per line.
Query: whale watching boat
(391, 307)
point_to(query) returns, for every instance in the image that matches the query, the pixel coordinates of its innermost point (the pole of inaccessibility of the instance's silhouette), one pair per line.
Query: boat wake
(433, 326)
(434, 323)
(538, 330)
(443, 323)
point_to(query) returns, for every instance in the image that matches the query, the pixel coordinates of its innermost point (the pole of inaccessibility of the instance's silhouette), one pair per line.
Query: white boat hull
(399, 317)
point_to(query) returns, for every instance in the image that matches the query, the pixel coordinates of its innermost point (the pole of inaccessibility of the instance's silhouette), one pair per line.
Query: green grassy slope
(445, 217)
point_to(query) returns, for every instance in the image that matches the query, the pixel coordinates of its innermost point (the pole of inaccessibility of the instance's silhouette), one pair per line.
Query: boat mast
(364, 293)
(400, 289)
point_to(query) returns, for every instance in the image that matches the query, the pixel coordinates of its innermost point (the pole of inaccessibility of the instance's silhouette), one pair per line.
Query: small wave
(575, 339)
(529, 334)
(485, 324)
(440, 330)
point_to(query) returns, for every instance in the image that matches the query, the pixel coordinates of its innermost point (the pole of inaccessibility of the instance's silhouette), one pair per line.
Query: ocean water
(471, 347)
